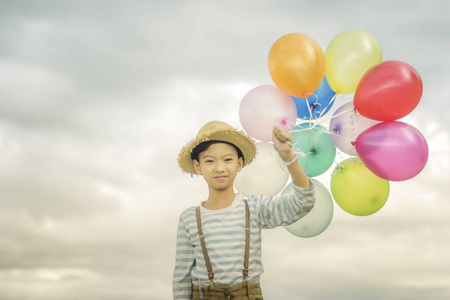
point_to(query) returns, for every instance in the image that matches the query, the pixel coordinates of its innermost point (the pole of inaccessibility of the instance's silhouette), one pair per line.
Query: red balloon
(388, 91)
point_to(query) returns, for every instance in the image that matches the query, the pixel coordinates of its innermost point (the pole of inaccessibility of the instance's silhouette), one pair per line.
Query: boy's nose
(220, 166)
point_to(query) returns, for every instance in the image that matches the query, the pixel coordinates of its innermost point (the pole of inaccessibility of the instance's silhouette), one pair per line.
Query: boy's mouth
(220, 177)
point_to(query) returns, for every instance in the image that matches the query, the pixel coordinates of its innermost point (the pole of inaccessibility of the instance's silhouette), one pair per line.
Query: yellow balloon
(357, 190)
(296, 64)
(348, 57)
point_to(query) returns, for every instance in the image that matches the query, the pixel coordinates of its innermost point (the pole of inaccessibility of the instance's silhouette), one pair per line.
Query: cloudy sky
(98, 97)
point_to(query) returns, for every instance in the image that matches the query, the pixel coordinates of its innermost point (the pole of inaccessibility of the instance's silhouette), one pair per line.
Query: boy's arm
(272, 211)
(184, 262)
(284, 149)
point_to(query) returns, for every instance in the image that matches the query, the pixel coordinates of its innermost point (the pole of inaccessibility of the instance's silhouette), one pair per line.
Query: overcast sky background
(98, 97)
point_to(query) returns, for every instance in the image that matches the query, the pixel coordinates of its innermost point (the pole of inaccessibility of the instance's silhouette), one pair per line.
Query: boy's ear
(240, 163)
(197, 167)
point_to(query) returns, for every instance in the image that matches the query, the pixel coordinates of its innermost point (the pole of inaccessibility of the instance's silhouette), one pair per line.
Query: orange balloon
(296, 64)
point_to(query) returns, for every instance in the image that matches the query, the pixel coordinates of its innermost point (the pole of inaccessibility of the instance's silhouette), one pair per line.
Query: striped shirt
(224, 234)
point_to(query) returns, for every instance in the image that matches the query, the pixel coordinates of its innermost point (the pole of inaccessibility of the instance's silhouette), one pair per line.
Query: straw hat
(217, 131)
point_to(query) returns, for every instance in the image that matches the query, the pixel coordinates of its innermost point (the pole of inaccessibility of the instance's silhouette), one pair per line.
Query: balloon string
(337, 134)
(340, 166)
(307, 160)
(334, 116)
(297, 152)
(309, 110)
(301, 130)
(290, 125)
(301, 154)
(322, 112)
(355, 114)
(333, 158)
(314, 124)
(307, 95)
(339, 169)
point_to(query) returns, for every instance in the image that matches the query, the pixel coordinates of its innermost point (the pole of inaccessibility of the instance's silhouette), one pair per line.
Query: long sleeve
(272, 211)
(184, 263)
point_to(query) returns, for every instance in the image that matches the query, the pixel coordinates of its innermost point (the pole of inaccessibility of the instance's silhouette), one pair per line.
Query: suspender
(247, 241)
(205, 253)
(202, 241)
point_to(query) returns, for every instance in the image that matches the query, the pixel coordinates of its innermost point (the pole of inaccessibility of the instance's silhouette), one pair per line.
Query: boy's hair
(205, 145)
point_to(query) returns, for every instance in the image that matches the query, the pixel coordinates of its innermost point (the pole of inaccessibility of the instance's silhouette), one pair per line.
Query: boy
(219, 242)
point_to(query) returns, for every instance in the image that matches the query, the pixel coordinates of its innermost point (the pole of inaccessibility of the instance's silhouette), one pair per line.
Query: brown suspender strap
(247, 240)
(205, 253)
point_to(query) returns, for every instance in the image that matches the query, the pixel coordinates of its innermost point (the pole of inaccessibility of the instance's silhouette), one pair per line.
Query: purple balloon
(347, 126)
(393, 150)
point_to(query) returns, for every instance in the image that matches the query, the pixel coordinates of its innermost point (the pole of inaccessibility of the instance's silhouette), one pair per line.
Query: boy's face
(219, 165)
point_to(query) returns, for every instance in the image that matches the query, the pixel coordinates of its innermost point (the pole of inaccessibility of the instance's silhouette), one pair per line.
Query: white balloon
(266, 175)
(318, 219)
(347, 126)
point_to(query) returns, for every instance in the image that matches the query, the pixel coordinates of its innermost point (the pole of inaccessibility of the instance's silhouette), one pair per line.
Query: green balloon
(357, 190)
(318, 147)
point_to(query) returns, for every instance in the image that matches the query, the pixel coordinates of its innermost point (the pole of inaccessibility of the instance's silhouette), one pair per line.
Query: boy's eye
(228, 159)
(208, 161)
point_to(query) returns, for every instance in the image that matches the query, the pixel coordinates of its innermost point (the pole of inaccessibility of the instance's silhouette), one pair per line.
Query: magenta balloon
(265, 106)
(393, 150)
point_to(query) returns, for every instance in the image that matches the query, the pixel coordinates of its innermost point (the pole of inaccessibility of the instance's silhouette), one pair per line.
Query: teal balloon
(318, 219)
(318, 147)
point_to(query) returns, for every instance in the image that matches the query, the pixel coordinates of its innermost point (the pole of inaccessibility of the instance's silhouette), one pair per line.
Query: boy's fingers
(282, 136)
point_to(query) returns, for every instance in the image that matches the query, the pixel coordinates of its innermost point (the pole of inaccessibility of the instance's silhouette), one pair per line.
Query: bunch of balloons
(307, 80)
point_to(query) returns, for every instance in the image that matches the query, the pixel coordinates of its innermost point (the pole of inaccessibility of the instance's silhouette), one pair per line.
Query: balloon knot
(353, 143)
(284, 121)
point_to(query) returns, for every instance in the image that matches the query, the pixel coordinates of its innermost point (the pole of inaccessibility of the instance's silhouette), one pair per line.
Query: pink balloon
(393, 150)
(265, 106)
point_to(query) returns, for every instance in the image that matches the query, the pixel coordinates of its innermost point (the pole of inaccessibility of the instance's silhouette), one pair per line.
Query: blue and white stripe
(224, 232)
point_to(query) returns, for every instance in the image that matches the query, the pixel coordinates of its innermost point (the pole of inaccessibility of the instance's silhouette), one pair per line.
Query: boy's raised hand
(282, 143)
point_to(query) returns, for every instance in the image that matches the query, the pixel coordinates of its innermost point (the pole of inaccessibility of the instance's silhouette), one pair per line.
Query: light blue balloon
(319, 103)
(318, 219)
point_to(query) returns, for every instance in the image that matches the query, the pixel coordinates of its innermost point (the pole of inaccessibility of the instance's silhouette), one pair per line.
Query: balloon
(263, 107)
(388, 91)
(393, 150)
(318, 147)
(318, 219)
(316, 105)
(266, 175)
(347, 125)
(296, 64)
(357, 190)
(348, 57)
